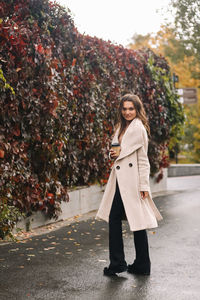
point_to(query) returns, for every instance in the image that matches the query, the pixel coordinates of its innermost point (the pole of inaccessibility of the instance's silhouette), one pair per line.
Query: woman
(127, 193)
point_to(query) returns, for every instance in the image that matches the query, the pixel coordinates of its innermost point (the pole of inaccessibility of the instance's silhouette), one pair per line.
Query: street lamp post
(175, 79)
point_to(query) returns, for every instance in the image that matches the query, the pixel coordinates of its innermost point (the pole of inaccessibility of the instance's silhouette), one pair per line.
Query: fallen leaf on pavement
(13, 250)
(102, 260)
(75, 217)
(49, 248)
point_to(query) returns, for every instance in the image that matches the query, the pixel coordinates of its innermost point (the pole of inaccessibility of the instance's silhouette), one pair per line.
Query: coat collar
(131, 140)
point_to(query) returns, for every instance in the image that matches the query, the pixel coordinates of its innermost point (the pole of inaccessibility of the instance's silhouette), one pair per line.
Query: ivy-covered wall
(59, 96)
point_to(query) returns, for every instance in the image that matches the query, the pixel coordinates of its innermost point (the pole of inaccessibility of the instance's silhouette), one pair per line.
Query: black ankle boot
(134, 269)
(112, 271)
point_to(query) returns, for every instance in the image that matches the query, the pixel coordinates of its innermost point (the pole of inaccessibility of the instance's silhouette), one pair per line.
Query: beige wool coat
(131, 170)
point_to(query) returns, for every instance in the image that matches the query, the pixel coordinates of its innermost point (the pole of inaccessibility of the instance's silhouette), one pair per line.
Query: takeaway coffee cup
(116, 147)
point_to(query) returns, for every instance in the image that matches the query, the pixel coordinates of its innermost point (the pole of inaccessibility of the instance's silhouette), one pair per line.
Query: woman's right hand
(113, 153)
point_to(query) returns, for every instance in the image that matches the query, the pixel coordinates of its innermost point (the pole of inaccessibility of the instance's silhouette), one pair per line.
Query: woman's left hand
(144, 194)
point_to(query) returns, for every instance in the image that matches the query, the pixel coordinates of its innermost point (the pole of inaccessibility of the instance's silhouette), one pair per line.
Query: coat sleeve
(143, 165)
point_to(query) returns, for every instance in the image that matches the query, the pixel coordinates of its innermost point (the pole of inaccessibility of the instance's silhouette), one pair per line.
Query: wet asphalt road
(68, 263)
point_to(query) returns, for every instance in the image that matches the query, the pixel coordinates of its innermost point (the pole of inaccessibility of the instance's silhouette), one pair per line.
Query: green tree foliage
(190, 143)
(165, 42)
(187, 14)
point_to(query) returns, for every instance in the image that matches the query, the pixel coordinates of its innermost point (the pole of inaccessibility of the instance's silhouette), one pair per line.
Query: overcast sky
(117, 20)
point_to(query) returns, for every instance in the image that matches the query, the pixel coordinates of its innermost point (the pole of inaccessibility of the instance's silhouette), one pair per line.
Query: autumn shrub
(9, 215)
(59, 96)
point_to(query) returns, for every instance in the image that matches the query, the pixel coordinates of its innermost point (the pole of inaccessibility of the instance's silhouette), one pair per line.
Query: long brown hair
(140, 112)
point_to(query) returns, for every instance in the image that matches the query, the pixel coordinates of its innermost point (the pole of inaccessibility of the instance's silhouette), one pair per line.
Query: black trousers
(116, 246)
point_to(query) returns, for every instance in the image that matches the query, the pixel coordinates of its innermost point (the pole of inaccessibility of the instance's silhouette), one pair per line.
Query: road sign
(188, 95)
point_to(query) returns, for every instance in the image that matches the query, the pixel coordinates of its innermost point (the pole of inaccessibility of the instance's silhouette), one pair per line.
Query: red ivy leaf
(16, 131)
(39, 48)
(2, 153)
(74, 62)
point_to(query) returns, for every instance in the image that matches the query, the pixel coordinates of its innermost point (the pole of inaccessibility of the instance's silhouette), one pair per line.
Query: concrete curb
(176, 170)
(82, 201)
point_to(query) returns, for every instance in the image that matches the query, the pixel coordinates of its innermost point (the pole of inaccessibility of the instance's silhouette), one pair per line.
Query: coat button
(117, 167)
(130, 165)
